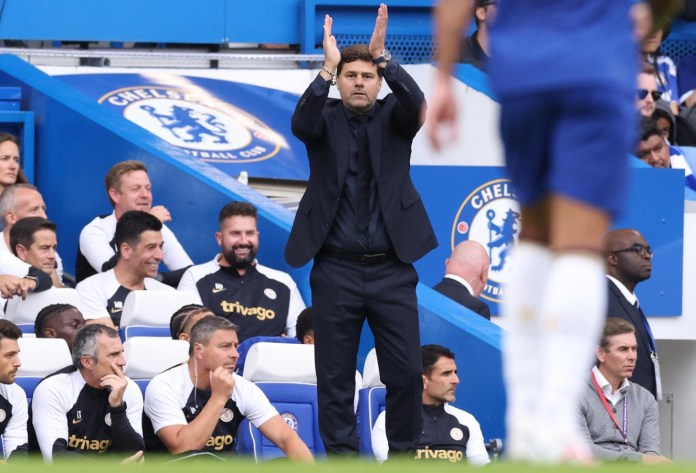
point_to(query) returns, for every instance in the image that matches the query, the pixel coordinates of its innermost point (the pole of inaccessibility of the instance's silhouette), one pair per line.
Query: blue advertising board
(479, 203)
(232, 126)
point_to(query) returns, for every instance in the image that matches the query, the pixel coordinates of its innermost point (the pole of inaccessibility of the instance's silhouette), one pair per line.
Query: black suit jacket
(644, 373)
(321, 124)
(459, 293)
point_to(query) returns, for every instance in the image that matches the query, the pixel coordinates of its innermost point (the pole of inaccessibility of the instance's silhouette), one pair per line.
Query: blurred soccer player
(567, 105)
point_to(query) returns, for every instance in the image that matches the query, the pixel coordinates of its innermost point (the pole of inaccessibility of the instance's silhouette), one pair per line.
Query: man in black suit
(466, 273)
(364, 223)
(629, 261)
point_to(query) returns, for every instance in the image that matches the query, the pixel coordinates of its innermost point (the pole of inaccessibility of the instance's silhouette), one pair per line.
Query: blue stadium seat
(285, 373)
(372, 402)
(147, 313)
(149, 356)
(297, 405)
(24, 312)
(40, 357)
(244, 347)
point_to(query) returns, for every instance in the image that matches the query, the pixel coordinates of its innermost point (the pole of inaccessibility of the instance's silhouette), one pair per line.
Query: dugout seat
(285, 373)
(24, 312)
(149, 356)
(243, 348)
(147, 313)
(371, 401)
(40, 357)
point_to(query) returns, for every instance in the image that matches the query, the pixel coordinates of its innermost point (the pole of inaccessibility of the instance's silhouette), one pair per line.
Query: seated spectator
(449, 433)
(612, 429)
(665, 72)
(139, 241)
(648, 95)
(304, 328)
(13, 401)
(198, 405)
(475, 48)
(10, 171)
(466, 274)
(257, 299)
(128, 188)
(185, 318)
(34, 241)
(91, 407)
(59, 321)
(653, 150)
(17, 202)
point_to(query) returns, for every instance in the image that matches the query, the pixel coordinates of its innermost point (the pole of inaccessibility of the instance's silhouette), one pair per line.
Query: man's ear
(21, 252)
(113, 195)
(50, 333)
(87, 362)
(125, 250)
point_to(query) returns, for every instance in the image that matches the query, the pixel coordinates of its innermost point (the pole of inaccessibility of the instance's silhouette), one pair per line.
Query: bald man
(629, 261)
(466, 273)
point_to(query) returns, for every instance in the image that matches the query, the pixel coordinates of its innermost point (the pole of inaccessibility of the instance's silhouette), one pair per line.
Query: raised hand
(332, 56)
(379, 34)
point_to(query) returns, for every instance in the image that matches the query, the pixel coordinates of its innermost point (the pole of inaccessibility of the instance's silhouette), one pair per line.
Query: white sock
(522, 362)
(572, 316)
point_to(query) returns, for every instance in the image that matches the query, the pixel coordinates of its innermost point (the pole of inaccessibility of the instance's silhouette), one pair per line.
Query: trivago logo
(201, 125)
(491, 216)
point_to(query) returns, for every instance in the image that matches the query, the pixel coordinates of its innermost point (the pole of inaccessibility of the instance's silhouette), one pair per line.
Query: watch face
(386, 55)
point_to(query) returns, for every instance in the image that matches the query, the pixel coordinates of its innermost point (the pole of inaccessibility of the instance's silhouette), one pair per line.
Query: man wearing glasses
(629, 261)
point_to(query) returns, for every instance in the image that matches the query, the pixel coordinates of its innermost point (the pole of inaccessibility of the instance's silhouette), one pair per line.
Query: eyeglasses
(642, 250)
(642, 93)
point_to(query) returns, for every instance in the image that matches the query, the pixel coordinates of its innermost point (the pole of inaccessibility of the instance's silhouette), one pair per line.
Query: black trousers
(344, 294)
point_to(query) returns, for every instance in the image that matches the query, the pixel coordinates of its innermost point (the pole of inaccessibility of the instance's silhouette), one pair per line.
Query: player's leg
(525, 126)
(590, 147)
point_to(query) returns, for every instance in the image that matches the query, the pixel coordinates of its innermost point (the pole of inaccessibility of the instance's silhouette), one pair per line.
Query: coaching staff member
(364, 223)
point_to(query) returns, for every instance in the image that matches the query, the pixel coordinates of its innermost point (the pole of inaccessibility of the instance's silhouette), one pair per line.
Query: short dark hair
(22, 232)
(237, 209)
(85, 343)
(9, 330)
(131, 225)
(431, 353)
(614, 326)
(46, 314)
(182, 315)
(356, 52)
(648, 128)
(304, 324)
(203, 330)
(116, 172)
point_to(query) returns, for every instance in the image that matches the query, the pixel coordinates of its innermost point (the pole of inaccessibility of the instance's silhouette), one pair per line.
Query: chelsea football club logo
(291, 420)
(201, 125)
(490, 215)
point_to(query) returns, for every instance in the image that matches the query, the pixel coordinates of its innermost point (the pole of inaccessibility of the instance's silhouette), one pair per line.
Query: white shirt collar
(606, 387)
(630, 296)
(461, 281)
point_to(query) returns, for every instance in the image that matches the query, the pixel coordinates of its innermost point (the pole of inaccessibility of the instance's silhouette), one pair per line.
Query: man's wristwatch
(384, 56)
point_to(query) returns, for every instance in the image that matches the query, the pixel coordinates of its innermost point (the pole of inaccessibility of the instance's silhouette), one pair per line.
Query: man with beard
(259, 300)
(629, 261)
(13, 401)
